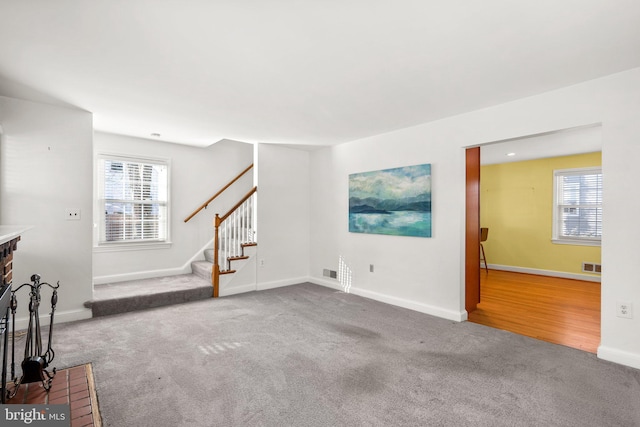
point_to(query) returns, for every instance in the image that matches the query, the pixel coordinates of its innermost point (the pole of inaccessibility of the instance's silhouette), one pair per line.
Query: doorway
(497, 304)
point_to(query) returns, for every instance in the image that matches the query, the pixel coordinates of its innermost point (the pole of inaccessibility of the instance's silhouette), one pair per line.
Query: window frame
(100, 243)
(557, 238)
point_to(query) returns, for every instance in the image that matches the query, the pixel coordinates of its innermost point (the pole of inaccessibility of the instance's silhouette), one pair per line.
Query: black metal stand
(35, 363)
(5, 297)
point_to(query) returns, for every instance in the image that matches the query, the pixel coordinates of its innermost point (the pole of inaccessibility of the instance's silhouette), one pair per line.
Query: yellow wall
(516, 205)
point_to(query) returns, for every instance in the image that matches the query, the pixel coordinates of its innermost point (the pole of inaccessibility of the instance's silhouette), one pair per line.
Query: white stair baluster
(221, 243)
(226, 244)
(244, 221)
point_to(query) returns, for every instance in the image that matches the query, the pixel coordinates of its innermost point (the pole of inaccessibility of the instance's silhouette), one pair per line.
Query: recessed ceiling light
(155, 135)
(511, 154)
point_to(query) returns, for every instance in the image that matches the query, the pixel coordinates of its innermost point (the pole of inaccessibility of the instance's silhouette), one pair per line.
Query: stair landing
(122, 297)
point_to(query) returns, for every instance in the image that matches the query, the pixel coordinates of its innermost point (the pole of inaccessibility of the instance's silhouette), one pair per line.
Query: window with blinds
(578, 206)
(133, 200)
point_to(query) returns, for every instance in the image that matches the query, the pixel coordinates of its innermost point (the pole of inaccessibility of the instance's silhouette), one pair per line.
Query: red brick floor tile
(80, 403)
(78, 371)
(60, 380)
(82, 394)
(62, 400)
(78, 388)
(56, 392)
(84, 421)
(80, 412)
(78, 382)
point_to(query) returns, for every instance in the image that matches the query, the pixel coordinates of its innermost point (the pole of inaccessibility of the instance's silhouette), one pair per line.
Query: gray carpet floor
(306, 355)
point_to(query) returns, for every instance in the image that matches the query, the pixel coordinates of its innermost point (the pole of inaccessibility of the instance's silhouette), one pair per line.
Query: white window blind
(133, 200)
(578, 206)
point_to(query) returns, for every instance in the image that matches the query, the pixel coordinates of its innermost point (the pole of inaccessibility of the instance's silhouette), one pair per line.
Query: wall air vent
(590, 267)
(330, 273)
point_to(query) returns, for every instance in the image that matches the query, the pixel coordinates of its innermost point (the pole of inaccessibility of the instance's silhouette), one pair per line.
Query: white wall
(196, 174)
(427, 274)
(45, 168)
(418, 273)
(283, 216)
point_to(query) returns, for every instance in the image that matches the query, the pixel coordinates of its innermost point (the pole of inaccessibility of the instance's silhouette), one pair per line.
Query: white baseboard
(59, 317)
(540, 272)
(619, 356)
(400, 302)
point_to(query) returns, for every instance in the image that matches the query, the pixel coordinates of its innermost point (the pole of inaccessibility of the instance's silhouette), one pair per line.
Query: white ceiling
(583, 139)
(302, 71)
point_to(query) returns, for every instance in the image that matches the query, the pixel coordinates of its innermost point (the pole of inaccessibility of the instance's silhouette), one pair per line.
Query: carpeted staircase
(203, 268)
(122, 297)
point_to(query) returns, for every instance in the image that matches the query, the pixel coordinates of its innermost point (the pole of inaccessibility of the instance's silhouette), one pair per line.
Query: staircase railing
(234, 231)
(205, 204)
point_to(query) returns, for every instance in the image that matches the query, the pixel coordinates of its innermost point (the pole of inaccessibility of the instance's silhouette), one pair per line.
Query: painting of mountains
(391, 201)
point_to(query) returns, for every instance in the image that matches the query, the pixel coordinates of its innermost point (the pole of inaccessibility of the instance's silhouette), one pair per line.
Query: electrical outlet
(624, 309)
(370, 268)
(72, 214)
(261, 262)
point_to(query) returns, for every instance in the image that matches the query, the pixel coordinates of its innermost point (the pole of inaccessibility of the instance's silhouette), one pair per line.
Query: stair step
(122, 297)
(202, 269)
(208, 253)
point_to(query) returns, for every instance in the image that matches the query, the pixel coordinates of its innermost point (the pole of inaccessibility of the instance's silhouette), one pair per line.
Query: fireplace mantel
(11, 232)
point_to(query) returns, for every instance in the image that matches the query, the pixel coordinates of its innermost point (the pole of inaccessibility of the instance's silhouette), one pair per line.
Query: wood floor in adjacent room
(561, 311)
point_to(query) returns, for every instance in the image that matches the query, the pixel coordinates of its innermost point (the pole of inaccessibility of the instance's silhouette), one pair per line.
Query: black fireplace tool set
(35, 362)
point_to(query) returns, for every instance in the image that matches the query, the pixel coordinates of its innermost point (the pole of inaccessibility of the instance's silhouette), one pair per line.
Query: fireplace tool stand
(35, 363)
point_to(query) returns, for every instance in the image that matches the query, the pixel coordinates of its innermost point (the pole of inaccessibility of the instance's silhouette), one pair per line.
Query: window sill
(121, 247)
(576, 242)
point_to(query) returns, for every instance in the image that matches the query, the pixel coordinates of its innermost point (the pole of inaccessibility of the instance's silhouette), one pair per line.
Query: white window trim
(556, 238)
(98, 182)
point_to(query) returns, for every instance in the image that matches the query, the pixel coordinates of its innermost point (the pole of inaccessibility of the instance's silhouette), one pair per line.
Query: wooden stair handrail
(220, 219)
(205, 204)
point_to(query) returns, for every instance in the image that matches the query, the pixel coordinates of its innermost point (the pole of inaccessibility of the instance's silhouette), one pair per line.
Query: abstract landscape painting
(391, 201)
